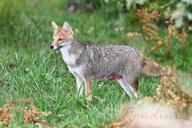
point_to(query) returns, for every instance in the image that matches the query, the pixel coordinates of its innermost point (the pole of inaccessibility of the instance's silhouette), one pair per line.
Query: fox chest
(70, 60)
(78, 71)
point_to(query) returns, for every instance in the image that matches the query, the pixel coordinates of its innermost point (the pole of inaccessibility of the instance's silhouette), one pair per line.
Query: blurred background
(29, 69)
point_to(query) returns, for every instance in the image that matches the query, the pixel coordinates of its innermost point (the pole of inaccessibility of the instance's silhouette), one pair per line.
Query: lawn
(30, 69)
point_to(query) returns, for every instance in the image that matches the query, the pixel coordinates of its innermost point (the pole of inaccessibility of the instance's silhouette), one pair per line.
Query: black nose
(51, 46)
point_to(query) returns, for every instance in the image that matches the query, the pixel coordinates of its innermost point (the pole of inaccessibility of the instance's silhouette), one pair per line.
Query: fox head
(62, 36)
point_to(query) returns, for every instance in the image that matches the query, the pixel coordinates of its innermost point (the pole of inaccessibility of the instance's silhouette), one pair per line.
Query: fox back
(107, 59)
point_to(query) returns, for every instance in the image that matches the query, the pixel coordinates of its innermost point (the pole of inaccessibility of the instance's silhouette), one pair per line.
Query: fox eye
(60, 39)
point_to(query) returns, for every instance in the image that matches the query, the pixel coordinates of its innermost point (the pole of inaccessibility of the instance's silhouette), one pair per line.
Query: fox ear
(67, 27)
(54, 25)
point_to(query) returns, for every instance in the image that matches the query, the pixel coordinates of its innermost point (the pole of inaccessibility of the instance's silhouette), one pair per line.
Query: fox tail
(152, 68)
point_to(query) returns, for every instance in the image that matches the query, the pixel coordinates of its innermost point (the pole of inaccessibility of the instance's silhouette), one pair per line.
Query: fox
(106, 62)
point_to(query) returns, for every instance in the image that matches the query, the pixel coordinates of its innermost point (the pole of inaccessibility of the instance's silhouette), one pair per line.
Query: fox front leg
(79, 86)
(88, 89)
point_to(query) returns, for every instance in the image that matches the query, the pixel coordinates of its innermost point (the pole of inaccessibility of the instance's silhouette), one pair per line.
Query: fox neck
(71, 53)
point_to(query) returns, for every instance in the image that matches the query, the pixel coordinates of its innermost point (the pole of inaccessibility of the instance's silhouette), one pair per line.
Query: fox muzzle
(51, 46)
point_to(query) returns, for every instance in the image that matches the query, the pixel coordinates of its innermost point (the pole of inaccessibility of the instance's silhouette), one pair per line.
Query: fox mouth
(58, 47)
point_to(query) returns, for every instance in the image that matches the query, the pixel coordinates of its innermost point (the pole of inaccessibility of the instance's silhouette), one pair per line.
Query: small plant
(30, 113)
(149, 17)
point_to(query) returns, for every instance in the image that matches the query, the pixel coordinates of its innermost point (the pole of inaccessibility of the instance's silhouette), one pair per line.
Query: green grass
(29, 69)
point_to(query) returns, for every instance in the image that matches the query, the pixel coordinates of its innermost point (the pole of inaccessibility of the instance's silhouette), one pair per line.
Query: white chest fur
(70, 59)
(77, 71)
(67, 57)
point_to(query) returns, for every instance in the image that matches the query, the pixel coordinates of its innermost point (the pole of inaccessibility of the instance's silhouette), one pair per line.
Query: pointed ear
(66, 27)
(54, 25)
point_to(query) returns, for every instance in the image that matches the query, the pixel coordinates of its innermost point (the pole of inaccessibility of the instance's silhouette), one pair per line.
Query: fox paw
(89, 98)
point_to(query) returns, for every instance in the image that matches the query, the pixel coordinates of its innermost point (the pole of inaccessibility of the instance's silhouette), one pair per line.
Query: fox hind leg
(126, 88)
(132, 84)
(135, 84)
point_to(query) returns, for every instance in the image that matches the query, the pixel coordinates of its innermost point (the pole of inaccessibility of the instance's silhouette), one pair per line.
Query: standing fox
(112, 62)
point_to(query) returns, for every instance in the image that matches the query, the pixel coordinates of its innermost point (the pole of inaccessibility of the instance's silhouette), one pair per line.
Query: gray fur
(102, 60)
